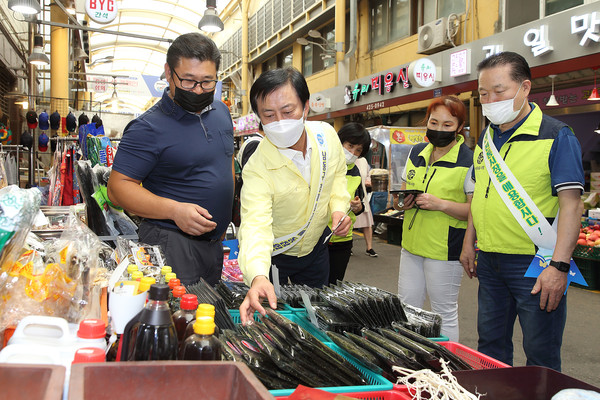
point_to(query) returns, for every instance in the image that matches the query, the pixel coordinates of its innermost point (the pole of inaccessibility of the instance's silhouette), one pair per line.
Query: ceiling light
(552, 100)
(211, 22)
(70, 6)
(302, 41)
(79, 54)
(27, 7)
(594, 95)
(314, 34)
(38, 57)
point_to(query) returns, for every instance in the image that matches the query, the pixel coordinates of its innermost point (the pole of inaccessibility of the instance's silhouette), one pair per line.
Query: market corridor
(581, 347)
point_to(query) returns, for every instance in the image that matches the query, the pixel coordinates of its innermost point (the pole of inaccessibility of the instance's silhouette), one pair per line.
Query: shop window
(390, 20)
(430, 10)
(314, 59)
(519, 12)
(280, 60)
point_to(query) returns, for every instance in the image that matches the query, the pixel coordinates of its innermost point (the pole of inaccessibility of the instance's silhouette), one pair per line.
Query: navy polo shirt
(182, 156)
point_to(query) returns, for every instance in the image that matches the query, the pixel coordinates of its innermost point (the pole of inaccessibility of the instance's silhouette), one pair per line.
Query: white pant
(420, 276)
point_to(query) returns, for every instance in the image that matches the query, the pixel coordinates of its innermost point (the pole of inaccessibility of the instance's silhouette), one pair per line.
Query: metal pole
(83, 28)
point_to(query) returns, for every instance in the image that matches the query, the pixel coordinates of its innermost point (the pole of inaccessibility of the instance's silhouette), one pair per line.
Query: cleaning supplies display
(151, 334)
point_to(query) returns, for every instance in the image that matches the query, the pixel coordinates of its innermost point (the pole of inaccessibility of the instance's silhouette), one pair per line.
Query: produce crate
(150, 379)
(582, 251)
(472, 357)
(590, 269)
(519, 383)
(376, 382)
(28, 381)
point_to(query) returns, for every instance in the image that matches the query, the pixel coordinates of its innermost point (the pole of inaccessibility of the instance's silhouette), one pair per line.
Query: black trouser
(311, 270)
(339, 256)
(190, 257)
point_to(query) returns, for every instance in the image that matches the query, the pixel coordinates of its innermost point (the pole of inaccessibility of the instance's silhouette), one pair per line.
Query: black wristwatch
(561, 266)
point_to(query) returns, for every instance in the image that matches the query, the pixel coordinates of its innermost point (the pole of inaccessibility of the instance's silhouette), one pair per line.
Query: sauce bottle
(151, 334)
(204, 311)
(202, 345)
(164, 271)
(178, 292)
(187, 312)
(145, 284)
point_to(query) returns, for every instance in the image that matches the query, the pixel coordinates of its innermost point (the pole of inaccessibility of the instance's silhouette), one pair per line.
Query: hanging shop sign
(423, 73)
(318, 103)
(101, 11)
(577, 96)
(460, 63)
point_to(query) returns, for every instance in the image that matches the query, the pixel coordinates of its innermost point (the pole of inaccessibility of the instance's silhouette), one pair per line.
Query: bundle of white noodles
(442, 385)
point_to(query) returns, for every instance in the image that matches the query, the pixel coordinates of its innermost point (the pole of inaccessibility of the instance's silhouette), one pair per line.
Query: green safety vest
(435, 234)
(355, 189)
(526, 153)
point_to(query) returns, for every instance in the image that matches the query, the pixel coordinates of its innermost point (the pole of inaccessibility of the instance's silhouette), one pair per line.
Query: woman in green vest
(355, 141)
(435, 219)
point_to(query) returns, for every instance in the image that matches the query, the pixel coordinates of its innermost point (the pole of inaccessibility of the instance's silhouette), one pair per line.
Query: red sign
(101, 11)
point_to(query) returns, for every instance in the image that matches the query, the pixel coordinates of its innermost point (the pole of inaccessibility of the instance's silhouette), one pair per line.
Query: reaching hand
(261, 289)
(467, 260)
(552, 284)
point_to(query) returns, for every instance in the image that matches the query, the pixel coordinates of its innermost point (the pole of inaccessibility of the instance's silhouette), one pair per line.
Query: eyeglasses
(190, 84)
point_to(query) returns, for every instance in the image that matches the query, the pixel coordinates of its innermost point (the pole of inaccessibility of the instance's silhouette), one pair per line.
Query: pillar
(59, 66)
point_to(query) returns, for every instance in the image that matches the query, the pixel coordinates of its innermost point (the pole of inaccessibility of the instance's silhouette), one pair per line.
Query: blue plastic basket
(295, 309)
(235, 315)
(376, 382)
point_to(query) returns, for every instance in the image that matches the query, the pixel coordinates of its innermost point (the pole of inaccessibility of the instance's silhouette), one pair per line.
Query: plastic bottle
(186, 313)
(164, 271)
(202, 345)
(204, 311)
(152, 336)
(174, 282)
(145, 284)
(89, 355)
(137, 275)
(169, 276)
(131, 268)
(178, 292)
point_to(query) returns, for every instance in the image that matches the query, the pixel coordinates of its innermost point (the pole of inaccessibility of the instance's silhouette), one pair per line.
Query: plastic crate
(376, 382)
(377, 395)
(590, 270)
(294, 309)
(150, 379)
(582, 251)
(27, 381)
(235, 315)
(472, 357)
(524, 383)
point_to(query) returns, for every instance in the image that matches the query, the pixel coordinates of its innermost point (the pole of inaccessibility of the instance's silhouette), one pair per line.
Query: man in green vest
(527, 166)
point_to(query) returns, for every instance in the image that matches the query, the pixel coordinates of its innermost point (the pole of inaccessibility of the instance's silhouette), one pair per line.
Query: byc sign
(101, 11)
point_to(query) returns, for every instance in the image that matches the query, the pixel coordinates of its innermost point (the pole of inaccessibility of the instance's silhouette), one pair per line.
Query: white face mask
(502, 112)
(284, 133)
(350, 157)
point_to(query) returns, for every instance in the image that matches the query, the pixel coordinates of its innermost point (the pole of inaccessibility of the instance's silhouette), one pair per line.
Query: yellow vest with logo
(526, 153)
(435, 234)
(353, 180)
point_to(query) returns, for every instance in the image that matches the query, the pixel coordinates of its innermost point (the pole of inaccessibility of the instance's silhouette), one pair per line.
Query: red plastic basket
(401, 394)
(472, 357)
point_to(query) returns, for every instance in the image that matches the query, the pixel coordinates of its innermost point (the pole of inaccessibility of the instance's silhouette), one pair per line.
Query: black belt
(203, 238)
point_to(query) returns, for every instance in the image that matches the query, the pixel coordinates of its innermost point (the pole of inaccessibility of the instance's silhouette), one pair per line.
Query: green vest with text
(526, 153)
(435, 234)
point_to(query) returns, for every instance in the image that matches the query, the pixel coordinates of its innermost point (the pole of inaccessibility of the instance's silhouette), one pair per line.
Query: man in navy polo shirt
(181, 151)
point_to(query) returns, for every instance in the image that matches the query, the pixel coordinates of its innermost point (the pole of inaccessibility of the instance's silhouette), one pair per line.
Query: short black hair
(356, 133)
(193, 45)
(519, 68)
(273, 79)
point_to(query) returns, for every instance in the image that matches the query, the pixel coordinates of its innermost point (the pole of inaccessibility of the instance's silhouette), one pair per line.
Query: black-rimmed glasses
(190, 84)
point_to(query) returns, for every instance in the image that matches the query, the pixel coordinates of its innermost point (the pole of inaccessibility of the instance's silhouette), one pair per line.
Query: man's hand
(355, 204)
(344, 227)
(193, 219)
(261, 288)
(467, 260)
(552, 283)
(427, 201)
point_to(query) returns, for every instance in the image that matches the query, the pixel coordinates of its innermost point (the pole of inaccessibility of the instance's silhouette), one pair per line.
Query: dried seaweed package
(386, 359)
(330, 319)
(316, 348)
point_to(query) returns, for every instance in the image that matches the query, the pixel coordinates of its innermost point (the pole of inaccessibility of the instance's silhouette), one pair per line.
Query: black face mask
(191, 101)
(440, 138)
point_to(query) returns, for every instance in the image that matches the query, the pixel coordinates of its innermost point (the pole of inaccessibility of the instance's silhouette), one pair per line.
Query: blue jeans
(504, 294)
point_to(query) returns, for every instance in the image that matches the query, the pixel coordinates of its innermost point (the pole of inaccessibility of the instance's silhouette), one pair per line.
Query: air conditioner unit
(433, 37)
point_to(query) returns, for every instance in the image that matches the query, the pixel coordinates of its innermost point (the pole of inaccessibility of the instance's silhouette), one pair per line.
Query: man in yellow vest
(527, 166)
(293, 184)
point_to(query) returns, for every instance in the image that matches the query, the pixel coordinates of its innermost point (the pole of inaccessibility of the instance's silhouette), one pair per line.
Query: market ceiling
(130, 56)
